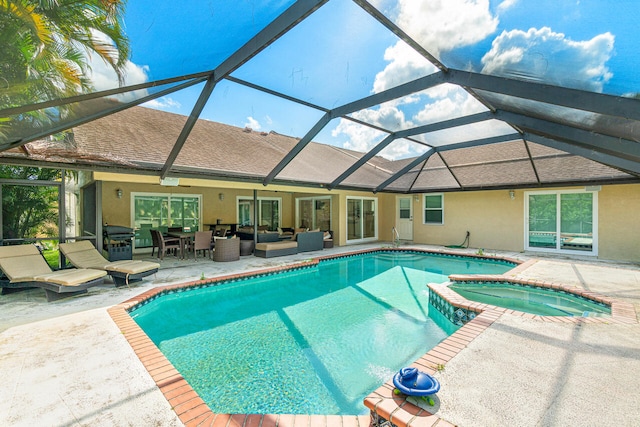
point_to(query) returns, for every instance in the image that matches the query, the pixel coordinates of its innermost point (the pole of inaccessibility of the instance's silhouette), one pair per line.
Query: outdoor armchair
(226, 250)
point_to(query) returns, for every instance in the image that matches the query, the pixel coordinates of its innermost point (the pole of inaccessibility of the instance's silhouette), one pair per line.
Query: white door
(404, 217)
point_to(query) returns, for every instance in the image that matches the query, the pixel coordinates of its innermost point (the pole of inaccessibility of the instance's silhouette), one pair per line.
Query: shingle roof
(141, 139)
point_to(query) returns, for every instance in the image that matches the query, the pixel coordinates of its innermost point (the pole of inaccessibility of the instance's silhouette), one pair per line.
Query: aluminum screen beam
(364, 159)
(423, 158)
(275, 93)
(320, 124)
(606, 159)
(95, 116)
(279, 26)
(396, 92)
(380, 17)
(460, 121)
(572, 98)
(618, 147)
(477, 142)
(276, 28)
(447, 124)
(370, 101)
(188, 126)
(12, 111)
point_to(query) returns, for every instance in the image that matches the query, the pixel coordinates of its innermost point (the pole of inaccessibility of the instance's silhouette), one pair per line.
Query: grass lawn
(52, 256)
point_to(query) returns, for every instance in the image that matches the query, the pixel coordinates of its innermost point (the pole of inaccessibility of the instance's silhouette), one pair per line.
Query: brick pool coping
(193, 411)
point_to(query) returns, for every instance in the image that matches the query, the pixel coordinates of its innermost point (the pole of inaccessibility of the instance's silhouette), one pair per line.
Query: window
(362, 220)
(161, 211)
(434, 209)
(268, 212)
(314, 212)
(562, 221)
(405, 208)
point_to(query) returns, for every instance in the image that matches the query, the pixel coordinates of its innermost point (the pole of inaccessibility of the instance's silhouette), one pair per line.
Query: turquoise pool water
(540, 301)
(311, 341)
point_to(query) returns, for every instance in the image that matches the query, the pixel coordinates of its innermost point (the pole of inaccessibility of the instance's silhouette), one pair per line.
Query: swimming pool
(314, 340)
(531, 299)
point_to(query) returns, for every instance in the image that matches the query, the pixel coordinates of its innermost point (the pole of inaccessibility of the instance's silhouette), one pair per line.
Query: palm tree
(44, 46)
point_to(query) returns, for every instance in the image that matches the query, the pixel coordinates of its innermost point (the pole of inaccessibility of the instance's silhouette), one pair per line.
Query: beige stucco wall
(117, 211)
(497, 222)
(618, 224)
(493, 219)
(387, 216)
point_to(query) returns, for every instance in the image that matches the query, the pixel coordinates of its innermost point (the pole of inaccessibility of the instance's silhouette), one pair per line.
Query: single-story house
(535, 199)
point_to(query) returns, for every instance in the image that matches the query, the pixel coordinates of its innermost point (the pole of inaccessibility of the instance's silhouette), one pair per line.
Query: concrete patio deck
(66, 363)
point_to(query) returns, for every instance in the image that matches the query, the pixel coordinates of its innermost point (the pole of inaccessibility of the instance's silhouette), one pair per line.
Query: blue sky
(340, 54)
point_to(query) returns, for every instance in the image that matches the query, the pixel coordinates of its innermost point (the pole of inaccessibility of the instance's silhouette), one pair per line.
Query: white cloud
(163, 103)
(506, 4)
(544, 55)
(438, 25)
(402, 149)
(405, 64)
(103, 77)
(450, 101)
(252, 123)
(440, 103)
(360, 138)
(443, 25)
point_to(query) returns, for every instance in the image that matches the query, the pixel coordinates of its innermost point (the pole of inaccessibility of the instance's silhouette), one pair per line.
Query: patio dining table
(185, 237)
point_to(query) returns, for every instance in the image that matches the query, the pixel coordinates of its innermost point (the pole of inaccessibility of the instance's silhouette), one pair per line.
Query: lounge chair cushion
(20, 262)
(83, 254)
(72, 277)
(23, 263)
(276, 245)
(131, 267)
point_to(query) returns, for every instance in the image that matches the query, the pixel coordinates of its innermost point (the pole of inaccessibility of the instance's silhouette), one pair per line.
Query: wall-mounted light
(416, 198)
(119, 193)
(221, 196)
(512, 194)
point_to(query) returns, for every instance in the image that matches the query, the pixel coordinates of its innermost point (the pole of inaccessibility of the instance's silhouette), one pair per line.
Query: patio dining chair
(201, 242)
(164, 243)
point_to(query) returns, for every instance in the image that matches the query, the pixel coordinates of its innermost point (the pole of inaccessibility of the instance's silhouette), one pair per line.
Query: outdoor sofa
(83, 254)
(310, 241)
(305, 241)
(25, 267)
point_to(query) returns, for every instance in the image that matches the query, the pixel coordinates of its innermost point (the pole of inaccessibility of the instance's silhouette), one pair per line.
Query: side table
(246, 247)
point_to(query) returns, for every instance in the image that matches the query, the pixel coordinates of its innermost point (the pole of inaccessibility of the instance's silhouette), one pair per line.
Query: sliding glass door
(161, 211)
(362, 219)
(314, 213)
(562, 221)
(268, 212)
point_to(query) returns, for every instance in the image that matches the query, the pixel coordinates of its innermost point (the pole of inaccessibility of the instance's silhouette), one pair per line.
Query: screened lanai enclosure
(390, 96)
(408, 96)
